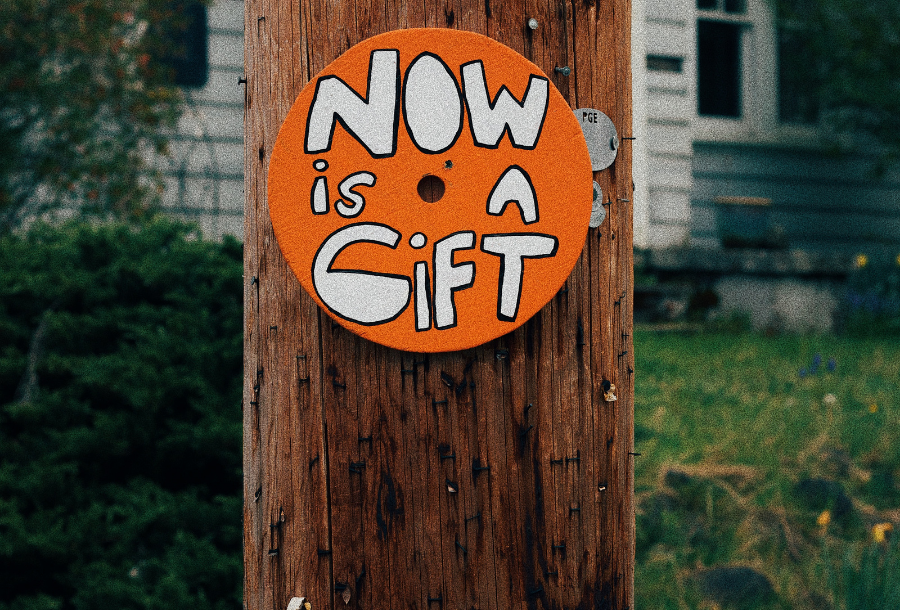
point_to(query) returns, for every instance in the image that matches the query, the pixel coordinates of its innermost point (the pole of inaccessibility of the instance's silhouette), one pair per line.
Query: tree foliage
(120, 424)
(856, 67)
(84, 102)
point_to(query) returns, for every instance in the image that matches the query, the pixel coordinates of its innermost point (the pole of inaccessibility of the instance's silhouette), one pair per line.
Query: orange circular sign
(431, 189)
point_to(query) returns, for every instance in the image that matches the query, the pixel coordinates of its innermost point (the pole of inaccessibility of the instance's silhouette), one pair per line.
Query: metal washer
(598, 211)
(600, 135)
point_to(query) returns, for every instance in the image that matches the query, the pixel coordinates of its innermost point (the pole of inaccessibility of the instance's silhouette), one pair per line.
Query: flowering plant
(872, 300)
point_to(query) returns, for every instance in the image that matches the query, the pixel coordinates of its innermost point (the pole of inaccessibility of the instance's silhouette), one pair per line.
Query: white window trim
(759, 122)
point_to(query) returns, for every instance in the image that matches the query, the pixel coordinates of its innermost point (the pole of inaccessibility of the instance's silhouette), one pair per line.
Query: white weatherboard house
(731, 149)
(733, 180)
(730, 170)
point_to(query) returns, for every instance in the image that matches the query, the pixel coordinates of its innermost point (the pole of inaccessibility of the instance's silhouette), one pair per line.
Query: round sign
(431, 189)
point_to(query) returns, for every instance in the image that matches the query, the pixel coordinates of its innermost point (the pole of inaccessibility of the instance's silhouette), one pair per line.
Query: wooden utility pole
(498, 477)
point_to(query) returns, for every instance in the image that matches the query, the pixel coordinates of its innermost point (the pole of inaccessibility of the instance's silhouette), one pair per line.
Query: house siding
(819, 201)
(669, 99)
(204, 171)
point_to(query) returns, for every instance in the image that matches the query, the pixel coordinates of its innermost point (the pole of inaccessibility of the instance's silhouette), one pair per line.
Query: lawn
(768, 471)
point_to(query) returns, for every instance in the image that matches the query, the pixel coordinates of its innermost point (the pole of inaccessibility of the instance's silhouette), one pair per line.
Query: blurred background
(766, 297)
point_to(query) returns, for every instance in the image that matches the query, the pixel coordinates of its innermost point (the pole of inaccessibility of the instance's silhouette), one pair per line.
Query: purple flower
(802, 373)
(832, 364)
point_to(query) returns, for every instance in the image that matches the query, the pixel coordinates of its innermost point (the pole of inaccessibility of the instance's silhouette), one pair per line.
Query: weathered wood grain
(493, 478)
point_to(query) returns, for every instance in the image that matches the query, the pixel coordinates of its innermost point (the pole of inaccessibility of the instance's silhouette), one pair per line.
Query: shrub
(120, 425)
(873, 299)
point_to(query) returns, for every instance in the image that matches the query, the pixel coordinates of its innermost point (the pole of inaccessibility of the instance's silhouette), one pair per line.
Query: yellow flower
(873, 408)
(825, 518)
(898, 260)
(880, 531)
(861, 261)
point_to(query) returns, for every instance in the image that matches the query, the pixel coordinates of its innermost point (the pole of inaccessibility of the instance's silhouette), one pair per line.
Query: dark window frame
(665, 63)
(721, 27)
(182, 52)
(720, 75)
(799, 77)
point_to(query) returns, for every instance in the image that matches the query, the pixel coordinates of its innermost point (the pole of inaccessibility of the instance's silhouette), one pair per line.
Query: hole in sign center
(430, 188)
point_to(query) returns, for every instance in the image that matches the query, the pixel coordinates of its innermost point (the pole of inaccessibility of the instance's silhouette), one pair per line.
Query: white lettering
(372, 120)
(320, 195)
(360, 296)
(345, 189)
(490, 120)
(514, 185)
(448, 278)
(513, 248)
(423, 307)
(432, 104)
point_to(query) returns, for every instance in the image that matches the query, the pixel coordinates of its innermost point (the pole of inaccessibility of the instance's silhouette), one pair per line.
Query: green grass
(728, 428)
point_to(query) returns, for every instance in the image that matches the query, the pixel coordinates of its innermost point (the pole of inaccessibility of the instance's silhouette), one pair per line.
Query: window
(720, 32)
(798, 78)
(182, 32)
(665, 63)
(757, 75)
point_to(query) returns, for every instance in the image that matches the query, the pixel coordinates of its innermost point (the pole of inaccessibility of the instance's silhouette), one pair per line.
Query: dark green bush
(872, 307)
(120, 425)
